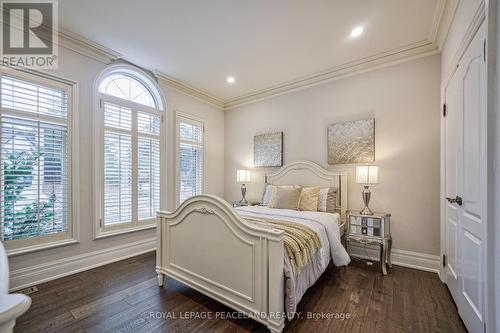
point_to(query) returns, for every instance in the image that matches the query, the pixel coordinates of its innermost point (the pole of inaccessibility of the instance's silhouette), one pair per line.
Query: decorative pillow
(285, 198)
(309, 198)
(327, 200)
(273, 189)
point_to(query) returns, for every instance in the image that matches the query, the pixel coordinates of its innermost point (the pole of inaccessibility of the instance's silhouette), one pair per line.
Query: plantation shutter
(148, 185)
(120, 136)
(191, 157)
(117, 164)
(35, 163)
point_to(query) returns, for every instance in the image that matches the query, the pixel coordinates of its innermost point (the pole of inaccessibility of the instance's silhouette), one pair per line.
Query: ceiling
(261, 43)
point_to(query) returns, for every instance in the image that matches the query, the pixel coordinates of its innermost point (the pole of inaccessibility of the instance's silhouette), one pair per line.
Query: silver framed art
(351, 142)
(268, 150)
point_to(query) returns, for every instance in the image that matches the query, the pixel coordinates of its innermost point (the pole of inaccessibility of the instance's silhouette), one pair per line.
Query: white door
(465, 158)
(451, 182)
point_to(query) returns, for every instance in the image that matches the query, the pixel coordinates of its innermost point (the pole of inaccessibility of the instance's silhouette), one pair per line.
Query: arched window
(130, 150)
(125, 86)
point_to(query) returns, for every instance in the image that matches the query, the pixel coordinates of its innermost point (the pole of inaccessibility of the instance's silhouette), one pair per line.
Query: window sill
(111, 233)
(41, 247)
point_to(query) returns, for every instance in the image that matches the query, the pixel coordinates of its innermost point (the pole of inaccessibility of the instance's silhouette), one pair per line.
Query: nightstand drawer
(364, 231)
(376, 225)
(365, 221)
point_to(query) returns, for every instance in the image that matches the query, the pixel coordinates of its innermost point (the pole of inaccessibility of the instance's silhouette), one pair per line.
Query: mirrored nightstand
(371, 229)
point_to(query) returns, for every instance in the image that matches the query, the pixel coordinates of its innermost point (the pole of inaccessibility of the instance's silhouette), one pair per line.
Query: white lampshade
(243, 176)
(366, 174)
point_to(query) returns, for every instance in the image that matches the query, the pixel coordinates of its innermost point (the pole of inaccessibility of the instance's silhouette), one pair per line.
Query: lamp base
(366, 211)
(243, 193)
(366, 199)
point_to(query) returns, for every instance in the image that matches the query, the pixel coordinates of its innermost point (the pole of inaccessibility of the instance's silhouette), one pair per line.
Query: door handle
(457, 200)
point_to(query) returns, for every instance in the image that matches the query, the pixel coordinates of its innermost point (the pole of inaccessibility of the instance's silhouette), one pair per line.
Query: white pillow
(266, 196)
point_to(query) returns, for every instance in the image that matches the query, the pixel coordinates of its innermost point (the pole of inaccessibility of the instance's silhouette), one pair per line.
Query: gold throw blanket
(301, 242)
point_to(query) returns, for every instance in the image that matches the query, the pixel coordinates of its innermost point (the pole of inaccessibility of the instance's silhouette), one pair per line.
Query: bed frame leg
(161, 279)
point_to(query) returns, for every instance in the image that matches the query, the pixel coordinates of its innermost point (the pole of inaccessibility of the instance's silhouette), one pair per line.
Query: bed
(216, 249)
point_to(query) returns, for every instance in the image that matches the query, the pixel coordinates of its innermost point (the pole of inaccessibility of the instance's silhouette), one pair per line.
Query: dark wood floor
(120, 297)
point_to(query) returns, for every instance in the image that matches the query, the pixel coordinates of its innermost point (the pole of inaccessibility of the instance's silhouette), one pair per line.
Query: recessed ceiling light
(357, 31)
(230, 79)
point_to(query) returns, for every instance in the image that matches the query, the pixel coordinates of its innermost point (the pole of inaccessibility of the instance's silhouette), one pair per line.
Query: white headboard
(308, 173)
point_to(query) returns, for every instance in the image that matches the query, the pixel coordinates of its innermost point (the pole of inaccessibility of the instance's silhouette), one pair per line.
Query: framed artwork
(268, 150)
(351, 142)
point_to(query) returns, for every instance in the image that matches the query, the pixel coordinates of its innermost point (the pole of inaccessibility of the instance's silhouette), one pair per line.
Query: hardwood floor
(124, 297)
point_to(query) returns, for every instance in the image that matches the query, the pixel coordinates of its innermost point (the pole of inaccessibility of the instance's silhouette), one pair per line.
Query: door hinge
(100, 223)
(444, 110)
(444, 260)
(100, 103)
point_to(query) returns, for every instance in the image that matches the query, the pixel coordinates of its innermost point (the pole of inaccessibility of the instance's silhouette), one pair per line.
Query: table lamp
(366, 175)
(243, 176)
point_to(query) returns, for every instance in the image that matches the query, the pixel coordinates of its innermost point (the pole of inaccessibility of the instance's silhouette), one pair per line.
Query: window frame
(100, 229)
(187, 118)
(71, 236)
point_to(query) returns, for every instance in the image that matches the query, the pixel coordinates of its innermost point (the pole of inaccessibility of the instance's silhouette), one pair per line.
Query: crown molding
(189, 90)
(443, 16)
(76, 43)
(410, 52)
(436, 22)
(86, 47)
(91, 49)
(442, 21)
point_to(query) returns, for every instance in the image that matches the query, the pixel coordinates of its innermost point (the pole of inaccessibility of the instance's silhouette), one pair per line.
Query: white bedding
(327, 225)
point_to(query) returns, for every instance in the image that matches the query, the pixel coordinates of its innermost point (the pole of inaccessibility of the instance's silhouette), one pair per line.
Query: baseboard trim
(30, 276)
(416, 260)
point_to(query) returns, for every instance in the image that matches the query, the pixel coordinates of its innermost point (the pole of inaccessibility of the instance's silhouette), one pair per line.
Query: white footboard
(207, 246)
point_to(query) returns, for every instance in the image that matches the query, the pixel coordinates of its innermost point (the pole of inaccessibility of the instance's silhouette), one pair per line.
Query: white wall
(403, 99)
(83, 69)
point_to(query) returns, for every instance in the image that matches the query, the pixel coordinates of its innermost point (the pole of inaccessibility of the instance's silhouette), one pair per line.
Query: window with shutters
(35, 156)
(190, 157)
(130, 151)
